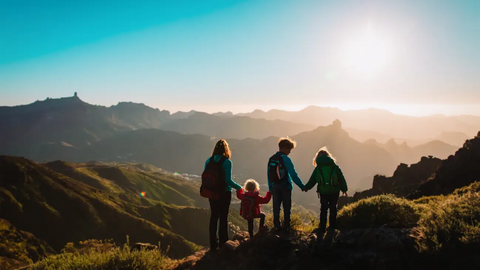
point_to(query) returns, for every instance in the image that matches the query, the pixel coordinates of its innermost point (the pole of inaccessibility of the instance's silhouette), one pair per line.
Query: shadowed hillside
(405, 180)
(457, 171)
(59, 209)
(19, 248)
(238, 127)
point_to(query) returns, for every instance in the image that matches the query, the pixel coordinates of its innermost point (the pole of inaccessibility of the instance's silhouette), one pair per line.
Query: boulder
(144, 246)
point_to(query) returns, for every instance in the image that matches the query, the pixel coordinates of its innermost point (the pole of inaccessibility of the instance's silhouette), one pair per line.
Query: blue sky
(412, 56)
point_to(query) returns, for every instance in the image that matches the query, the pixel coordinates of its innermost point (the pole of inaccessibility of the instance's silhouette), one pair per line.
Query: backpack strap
(282, 164)
(322, 179)
(331, 175)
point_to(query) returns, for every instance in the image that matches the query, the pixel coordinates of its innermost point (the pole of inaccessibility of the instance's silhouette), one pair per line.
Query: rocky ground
(379, 248)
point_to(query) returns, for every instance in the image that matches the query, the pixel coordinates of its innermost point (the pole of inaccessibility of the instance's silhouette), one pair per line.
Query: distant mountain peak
(391, 142)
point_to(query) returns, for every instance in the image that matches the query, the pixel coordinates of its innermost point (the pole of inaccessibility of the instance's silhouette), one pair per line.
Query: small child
(250, 206)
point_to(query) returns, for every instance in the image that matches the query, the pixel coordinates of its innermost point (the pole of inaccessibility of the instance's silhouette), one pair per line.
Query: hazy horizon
(395, 109)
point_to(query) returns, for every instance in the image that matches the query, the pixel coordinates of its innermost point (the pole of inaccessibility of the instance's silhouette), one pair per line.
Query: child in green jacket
(330, 182)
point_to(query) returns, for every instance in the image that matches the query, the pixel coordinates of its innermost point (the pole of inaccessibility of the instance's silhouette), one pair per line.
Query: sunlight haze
(408, 57)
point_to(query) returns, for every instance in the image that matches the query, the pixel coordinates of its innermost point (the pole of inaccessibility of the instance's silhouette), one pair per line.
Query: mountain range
(72, 130)
(379, 123)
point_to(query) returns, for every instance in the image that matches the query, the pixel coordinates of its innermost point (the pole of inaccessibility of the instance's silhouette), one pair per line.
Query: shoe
(264, 228)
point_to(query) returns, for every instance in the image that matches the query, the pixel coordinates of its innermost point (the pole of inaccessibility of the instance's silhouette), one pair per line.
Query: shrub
(118, 258)
(378, 211)
(451, 223)
(90, 245)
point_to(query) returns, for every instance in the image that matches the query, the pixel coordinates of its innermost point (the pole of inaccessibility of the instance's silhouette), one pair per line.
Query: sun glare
(366, 54)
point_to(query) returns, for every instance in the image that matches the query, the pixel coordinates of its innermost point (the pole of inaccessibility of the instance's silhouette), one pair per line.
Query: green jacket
(332, 184)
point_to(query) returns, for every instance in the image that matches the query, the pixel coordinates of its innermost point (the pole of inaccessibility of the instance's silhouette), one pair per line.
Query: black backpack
(213, 179)
(276, 168)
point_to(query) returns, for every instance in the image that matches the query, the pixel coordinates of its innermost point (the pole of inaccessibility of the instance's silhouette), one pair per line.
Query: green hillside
(60, 209)
(19, 248)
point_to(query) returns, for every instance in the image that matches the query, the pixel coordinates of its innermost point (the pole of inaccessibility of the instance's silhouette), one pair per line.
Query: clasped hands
(345, 194)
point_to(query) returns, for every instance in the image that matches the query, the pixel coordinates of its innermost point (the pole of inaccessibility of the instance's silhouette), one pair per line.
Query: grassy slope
(19, 248)
(59, 209)
(448, 224)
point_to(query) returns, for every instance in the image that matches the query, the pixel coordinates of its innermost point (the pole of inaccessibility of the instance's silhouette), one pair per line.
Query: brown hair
(251, 185)
(221, 148)
(322, 152)
(286, 143)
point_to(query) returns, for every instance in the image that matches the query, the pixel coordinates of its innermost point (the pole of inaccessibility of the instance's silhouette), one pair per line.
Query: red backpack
(213, 179)
(247, 207)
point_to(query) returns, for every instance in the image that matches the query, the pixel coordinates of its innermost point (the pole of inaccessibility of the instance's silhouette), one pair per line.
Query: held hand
(345, 194)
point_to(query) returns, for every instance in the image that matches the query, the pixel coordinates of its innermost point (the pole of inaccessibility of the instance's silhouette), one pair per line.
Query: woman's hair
(251, 185)
(322, 152)
(286, 143)
(221, 148)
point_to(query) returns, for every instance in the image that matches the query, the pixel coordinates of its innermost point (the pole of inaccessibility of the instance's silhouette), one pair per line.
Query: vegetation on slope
(378, 211)
(120, 258)
(441, 224)
(19, 248)
(60, 209)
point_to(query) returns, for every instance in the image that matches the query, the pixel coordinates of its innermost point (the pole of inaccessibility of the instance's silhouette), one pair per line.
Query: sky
(415, 57)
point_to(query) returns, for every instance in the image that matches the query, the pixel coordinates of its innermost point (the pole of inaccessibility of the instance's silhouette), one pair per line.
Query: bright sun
(366, 54)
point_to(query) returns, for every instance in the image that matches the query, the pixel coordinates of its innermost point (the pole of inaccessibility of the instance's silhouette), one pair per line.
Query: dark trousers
(261, 216)
(219, 210)
(328, 202)
(281, 195)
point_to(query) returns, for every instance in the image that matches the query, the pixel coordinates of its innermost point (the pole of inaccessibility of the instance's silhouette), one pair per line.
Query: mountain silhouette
(378, 121)
(456, 171)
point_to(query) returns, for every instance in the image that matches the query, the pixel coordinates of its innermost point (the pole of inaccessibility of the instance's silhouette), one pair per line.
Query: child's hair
(322, 152)
(286, 143)
(251, 185)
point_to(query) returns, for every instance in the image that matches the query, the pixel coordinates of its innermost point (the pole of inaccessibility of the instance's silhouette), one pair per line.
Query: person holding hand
(330, 182)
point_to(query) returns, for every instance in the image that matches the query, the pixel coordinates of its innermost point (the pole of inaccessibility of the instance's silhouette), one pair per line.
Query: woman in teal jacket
(219, 208)
(330, 181)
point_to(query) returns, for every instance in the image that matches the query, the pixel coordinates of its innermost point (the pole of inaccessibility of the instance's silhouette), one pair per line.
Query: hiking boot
(264, 228)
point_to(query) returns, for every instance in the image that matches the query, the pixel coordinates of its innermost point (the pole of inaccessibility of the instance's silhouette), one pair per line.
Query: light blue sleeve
(291, 170)
(228, 166)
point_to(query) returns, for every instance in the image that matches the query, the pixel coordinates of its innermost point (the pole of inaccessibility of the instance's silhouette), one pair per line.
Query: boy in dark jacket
(250, 206)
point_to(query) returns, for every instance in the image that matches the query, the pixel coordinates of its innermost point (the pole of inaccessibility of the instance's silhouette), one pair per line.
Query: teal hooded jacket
(328, 176)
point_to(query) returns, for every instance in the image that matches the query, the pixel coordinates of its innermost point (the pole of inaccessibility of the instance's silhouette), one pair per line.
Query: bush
(118, 258)
(452, 223)
(88, 246)
(378, 211)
